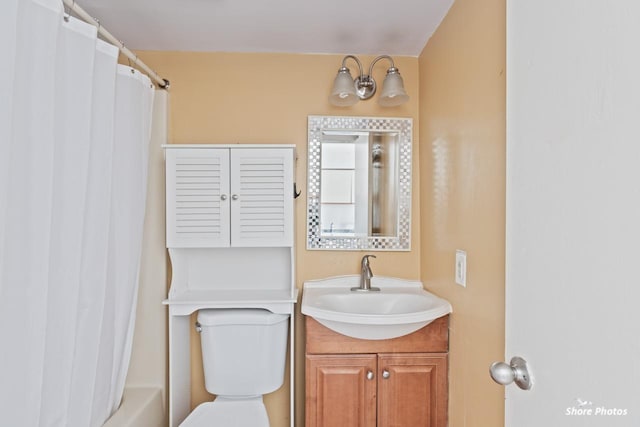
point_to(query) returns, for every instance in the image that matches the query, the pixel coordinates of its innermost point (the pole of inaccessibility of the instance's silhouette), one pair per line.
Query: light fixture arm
(393, 66)
(344, 64)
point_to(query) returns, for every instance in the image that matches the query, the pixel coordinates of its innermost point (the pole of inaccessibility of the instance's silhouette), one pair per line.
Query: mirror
(359, 183)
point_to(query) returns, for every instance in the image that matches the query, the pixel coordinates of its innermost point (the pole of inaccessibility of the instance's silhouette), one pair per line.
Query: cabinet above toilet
(230, 224)
(238, 196)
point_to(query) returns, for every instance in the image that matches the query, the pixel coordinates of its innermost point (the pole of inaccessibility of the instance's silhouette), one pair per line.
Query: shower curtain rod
(82, 14)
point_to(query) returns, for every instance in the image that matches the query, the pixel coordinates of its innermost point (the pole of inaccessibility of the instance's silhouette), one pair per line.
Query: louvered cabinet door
(261, 197)
(197, 198)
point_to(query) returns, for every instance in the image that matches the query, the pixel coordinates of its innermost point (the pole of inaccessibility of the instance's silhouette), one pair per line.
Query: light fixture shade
(343, 93)
(393, 93)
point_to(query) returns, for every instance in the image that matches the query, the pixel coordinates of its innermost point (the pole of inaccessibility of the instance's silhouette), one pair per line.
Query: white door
(573, 211)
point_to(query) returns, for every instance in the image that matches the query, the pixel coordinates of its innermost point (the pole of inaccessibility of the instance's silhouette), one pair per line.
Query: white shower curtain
(74, 134)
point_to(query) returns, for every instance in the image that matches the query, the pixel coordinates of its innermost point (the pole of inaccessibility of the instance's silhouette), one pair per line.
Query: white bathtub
(141, 407)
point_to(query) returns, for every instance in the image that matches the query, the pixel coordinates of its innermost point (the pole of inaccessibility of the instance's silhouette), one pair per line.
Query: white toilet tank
(243, 350)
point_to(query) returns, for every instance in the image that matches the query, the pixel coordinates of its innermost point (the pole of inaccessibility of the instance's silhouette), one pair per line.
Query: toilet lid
(229, 413)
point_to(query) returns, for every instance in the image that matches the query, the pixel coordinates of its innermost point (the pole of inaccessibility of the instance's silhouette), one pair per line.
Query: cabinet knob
(223, 197)
(369, 375)
(235, 197)
(386, 374)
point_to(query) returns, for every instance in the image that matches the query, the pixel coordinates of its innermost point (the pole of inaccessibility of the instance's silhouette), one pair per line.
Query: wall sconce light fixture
(348, 91)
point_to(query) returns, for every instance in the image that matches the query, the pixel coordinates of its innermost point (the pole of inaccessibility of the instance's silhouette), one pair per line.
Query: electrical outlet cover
(461, 268)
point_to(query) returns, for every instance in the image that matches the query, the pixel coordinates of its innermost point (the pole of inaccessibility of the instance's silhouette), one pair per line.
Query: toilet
(243, 355)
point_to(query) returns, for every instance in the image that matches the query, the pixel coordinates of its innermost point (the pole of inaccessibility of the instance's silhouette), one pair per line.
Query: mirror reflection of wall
(343, 179)
(383, 178)
(358, 176)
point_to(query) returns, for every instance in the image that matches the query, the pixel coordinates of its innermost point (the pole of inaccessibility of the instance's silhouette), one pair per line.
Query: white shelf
(187, 302)
(241, 146)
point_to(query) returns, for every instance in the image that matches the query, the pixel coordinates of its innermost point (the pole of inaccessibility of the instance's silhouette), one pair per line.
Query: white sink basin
(399, 308)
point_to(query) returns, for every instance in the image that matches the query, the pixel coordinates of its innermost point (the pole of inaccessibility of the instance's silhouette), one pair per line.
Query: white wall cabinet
(230, 228)
(222, 197)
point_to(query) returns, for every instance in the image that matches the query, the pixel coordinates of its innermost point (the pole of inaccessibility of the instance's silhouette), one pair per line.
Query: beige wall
(462, 168)
(266, 98)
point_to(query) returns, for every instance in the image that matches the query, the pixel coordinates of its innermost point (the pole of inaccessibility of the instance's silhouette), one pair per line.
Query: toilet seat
(226, 412)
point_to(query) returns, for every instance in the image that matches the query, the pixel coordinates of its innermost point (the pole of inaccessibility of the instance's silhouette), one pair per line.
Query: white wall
(573, 209)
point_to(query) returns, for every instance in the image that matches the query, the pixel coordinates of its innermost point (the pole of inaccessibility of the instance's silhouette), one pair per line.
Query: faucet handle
(365, 261)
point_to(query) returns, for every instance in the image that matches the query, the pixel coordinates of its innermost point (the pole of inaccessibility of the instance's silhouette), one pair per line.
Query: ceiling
(394, 27)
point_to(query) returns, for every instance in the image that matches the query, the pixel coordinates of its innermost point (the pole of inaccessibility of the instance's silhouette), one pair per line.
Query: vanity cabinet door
(341, 390)
(261, 197)
(412, 390)
(197, 198)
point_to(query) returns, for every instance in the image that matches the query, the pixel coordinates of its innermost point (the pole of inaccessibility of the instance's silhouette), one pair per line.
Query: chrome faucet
(365, 275)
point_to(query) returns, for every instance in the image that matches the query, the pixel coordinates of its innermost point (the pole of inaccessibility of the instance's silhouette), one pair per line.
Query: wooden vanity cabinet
(401, 382)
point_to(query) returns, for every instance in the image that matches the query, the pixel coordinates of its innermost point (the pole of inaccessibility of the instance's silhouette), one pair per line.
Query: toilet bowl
(243, 356)
(225, 412)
